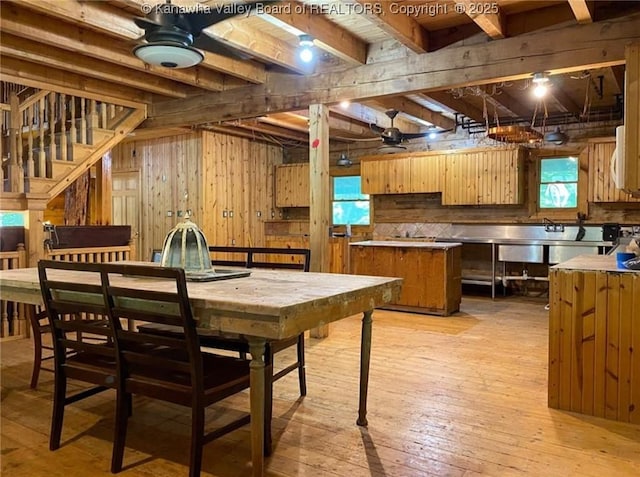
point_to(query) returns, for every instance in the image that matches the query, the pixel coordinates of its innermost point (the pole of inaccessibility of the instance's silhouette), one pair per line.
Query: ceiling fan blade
(146, 23)
(199, 20)
(406, 136)
(208, 43)
(375, 128)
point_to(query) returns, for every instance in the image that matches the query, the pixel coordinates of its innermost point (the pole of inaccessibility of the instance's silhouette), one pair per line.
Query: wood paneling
(292, 185)
(632, 118)
(227, 183)
(601, 185)
(594, 335)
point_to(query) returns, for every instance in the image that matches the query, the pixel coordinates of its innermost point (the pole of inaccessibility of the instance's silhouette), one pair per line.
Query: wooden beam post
(103, 191)
(34, 231)
(320, 196)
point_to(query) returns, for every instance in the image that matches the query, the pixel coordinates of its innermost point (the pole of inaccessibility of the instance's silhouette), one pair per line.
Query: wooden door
(125, 200)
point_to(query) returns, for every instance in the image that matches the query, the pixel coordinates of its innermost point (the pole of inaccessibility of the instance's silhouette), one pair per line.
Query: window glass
(11, 219)
(350, 205)
(558, 183)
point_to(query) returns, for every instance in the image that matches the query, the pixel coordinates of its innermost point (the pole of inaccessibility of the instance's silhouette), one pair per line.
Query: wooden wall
(226, 181)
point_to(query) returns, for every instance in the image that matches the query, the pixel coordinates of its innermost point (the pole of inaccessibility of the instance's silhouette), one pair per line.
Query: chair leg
(302, 377)
(37, 345)
(197, 441)
(123, 411)
(59, 397)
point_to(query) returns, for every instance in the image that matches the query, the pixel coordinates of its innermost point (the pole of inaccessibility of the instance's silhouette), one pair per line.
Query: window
(350, 205)
(558, 183)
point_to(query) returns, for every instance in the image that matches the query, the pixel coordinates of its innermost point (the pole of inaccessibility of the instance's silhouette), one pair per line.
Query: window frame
(540, 183)
(333, 200)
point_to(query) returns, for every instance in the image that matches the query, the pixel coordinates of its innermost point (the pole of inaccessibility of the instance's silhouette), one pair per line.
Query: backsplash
(410, 230)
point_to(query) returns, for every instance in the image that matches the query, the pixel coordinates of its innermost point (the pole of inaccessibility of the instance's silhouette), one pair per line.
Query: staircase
(49, 139)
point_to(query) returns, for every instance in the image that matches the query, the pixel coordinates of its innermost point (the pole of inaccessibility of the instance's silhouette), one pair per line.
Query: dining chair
(75, 306)
(168, 368)
(42, 351)
(266, 258)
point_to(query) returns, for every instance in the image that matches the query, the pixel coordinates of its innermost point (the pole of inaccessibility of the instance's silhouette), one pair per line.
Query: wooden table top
(273, 304)
(602, 263)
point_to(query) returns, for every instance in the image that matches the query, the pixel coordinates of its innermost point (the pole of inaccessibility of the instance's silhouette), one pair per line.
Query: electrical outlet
(231, 213)
(258, 214)
(224, 214)
(169, 213)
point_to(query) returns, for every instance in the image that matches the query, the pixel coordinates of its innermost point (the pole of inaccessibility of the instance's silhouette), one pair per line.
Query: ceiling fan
(392, 137)
(173, 32)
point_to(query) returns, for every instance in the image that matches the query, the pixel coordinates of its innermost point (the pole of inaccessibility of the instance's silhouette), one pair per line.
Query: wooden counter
(431, 272)
(594, 328)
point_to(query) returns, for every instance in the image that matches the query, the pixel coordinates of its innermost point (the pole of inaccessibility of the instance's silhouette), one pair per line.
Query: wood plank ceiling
(442, 64)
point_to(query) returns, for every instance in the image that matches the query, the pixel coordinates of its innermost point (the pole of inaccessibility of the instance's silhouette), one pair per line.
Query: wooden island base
(594, 339)
(431, 272)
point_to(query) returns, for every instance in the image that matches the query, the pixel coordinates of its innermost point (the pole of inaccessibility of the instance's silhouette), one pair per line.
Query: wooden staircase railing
(49, 134)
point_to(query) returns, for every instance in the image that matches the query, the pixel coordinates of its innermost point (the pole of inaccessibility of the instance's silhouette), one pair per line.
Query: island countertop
(603, 263)
(398, 243)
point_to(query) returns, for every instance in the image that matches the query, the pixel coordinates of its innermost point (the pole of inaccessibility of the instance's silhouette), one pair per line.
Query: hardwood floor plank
(459, 396)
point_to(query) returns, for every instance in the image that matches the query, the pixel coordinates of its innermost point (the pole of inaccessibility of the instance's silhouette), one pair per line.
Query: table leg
(365, 358)
(256, 396)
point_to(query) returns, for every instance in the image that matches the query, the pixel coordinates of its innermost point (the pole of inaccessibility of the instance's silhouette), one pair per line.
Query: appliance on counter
(610, 232)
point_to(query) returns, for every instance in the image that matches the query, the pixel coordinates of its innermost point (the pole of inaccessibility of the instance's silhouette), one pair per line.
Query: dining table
(265, 305)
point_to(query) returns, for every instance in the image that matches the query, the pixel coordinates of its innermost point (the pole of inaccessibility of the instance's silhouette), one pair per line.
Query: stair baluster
(63, 127)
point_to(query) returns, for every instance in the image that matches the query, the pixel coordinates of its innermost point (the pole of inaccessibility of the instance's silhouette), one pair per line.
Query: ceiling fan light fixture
(168, 54)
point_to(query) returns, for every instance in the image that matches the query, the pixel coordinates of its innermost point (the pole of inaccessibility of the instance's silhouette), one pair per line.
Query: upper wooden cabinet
(484, 177)
(631, 181)
(292, 185)
(601, 186)
(476, 177)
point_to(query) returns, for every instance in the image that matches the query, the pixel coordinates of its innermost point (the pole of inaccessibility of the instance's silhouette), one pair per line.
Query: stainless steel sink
(521, 253)
(561, 253)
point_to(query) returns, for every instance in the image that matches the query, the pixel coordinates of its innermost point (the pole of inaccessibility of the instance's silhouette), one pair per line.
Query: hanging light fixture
(344, 161)
(306, 48)
(541, 85)
(556, 137)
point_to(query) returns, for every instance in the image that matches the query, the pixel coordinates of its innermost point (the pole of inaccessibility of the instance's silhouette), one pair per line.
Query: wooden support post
(34, 231)
(16, 174)
(103, 191)
(320, 196)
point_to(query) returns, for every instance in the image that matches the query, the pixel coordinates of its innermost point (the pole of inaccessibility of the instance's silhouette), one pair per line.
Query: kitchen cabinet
(484, 177)
(594, 338)
(474, 177)
(431, 272)
(601, 186)
(292, 185)
(401, 175)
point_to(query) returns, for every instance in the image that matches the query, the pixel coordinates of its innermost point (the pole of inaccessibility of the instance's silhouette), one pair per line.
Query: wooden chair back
(75, 305)
(145, 358)
(265, 257)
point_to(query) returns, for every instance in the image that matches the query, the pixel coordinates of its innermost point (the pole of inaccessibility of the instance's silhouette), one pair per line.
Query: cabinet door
(601, 186)
(292, 185)
(427, 174)
(386, 176)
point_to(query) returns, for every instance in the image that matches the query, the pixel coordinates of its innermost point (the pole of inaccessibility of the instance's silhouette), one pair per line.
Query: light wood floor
(454, 396)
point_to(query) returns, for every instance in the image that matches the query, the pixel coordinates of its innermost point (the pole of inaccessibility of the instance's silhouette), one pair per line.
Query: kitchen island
(594, 338)
(431, 272)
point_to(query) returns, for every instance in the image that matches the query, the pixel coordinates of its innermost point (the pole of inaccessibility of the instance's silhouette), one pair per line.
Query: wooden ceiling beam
(582, 10)
(46, 30)
(487, 15)
(102, 17)
(618, 76)
(402, 27)
(23, 49)
(259, 126)
(411, 108)
(566, 103)
(337, 122)
(251, 41)
(447, 100)
(52, 79)
(509, 103)
(327, 35)
(568, 49)
(369, 115)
